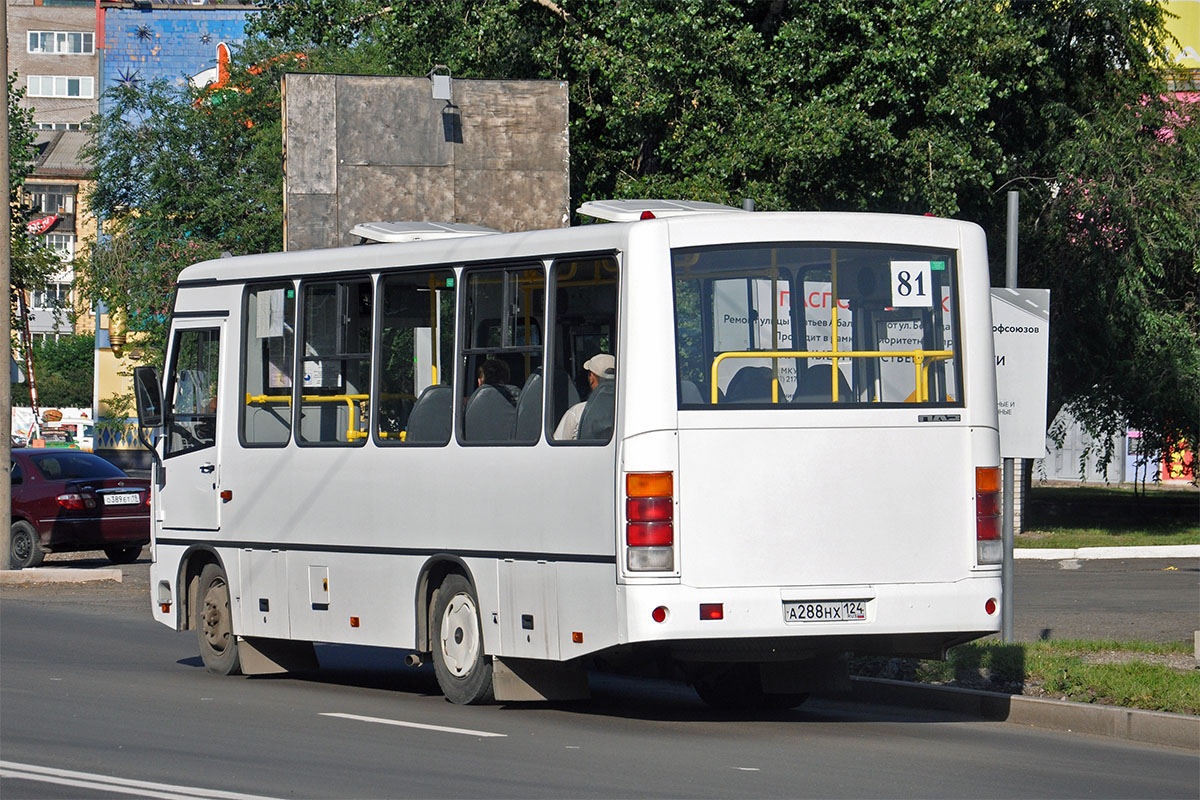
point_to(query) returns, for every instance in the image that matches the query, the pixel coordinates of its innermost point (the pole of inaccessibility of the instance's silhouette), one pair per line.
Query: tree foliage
(912, 106)
(32, 263)
(64, 373)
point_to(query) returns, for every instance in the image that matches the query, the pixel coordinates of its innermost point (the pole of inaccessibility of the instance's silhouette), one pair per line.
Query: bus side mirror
(147, 393)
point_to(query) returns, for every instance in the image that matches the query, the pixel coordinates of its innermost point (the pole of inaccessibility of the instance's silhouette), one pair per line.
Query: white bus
(359, 446)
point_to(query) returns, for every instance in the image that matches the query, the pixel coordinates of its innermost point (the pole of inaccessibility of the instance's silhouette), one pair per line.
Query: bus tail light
(650, 521)
(989, 547)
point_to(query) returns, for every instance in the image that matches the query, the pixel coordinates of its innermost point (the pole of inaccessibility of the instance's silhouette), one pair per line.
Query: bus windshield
(754, 326)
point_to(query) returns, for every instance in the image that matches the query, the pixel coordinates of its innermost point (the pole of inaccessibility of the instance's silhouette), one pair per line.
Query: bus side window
(503, 355)
(582, 396)
(268, 358)
(414, 402)
(335, 362)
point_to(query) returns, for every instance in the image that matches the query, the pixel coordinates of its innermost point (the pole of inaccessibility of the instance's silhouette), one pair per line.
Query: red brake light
(647, 215)
(649, 509)
(712, 611)
(650, 534)
(73, 501)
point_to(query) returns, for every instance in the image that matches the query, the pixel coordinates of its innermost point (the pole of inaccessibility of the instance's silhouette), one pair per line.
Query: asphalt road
(1150, 599)
(94, 689)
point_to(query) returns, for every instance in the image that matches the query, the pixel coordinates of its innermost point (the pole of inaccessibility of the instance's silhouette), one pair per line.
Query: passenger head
(600, 367)
(493, 371)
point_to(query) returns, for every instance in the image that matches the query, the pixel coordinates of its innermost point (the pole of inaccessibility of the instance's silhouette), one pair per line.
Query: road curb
(1130, 724)
(1149, 551)
(16, 577)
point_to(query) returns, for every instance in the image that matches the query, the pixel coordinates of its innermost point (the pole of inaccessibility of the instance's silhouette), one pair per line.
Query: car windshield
(71, 466)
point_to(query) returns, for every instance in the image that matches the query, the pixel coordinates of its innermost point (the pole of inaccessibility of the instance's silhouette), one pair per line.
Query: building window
(55, 295)
(62, 43)
(62, 126)
(61, 243)
(62, 86)
(48, 198)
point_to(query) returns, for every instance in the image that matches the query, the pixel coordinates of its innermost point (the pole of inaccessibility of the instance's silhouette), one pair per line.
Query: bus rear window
(754, 326)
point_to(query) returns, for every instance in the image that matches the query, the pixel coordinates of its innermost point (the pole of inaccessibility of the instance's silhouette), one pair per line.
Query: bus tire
(464, 671)
(213, 622)
(739, 688)
(25, 546)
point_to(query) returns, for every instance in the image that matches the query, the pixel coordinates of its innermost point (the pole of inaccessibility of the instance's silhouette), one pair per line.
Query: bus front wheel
(213, 622)
(463, 671)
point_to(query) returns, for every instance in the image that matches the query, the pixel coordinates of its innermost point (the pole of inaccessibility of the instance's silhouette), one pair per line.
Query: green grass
(1109, 516)
(1130, 674)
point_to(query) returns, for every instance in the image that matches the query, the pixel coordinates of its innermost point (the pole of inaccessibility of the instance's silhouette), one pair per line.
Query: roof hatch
(634, 210)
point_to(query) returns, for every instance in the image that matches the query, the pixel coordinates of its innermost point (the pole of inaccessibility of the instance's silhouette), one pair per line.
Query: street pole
(1006, 574)
(6, 322)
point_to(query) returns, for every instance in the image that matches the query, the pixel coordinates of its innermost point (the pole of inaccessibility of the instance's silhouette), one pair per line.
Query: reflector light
(166, 607)
(990, 606)
(354, 622)
(650, 534)
(712, 611)
(659, 614)
(647, 215)
(577, 637)
(649, 484)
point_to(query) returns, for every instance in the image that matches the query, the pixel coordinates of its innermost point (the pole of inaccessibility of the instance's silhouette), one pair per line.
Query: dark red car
(66, 500)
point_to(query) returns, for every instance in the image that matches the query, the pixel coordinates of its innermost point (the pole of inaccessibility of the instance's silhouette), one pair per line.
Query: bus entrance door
(190, 496)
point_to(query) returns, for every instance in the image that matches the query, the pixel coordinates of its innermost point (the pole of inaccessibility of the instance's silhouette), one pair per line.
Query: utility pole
(1006, 571)
(6, 321)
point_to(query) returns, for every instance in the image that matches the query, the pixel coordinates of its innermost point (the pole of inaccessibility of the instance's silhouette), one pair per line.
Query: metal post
(1006, 579)
(6, 323)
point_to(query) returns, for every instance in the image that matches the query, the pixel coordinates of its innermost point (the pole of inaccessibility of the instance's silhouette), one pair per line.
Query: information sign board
(1021, 330)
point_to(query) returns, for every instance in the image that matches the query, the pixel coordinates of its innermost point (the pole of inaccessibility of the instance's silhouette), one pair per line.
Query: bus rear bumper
(897, 619)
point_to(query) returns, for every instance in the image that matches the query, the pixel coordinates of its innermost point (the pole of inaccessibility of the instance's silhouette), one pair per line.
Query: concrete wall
(372, 148)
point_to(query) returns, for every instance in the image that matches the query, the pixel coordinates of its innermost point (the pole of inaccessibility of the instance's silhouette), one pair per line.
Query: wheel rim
(460, 635)
(215, 617)
(22, 546)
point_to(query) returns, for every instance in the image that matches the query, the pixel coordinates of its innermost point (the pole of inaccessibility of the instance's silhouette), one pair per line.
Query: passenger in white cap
(601, 367)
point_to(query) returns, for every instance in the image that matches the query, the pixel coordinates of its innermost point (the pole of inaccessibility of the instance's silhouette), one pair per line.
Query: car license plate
(825, 611)
(125, 499)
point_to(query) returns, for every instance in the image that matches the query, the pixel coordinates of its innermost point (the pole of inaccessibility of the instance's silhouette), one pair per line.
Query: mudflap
(260, 656)
(525, 679)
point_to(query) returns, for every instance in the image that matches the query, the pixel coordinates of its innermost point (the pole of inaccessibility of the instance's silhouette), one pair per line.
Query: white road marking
(402, 724)
(107, 783)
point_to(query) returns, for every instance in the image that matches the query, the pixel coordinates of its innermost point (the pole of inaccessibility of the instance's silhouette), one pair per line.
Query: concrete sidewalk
(1157, 551)
(13, 577)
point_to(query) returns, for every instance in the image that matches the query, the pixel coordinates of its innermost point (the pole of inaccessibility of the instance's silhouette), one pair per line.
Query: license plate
(825, 611)
(127, 499)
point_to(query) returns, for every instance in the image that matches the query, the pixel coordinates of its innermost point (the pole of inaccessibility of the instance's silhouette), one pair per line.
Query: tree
(32, 262)
(64, 373)
(182, 175)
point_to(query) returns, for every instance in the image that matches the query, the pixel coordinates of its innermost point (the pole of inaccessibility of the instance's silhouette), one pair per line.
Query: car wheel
(123, 555)
(25, 546)
(213, 622)
(464, 671)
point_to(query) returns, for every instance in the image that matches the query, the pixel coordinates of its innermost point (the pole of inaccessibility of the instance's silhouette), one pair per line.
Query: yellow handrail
(352, 432)
(919, 357)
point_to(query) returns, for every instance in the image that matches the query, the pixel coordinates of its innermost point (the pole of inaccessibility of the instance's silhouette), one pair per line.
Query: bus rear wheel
(464, 671)
(739, 688)
(213, 622)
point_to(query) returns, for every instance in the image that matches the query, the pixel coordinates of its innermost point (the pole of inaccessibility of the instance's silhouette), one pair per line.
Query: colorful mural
(175, 44)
